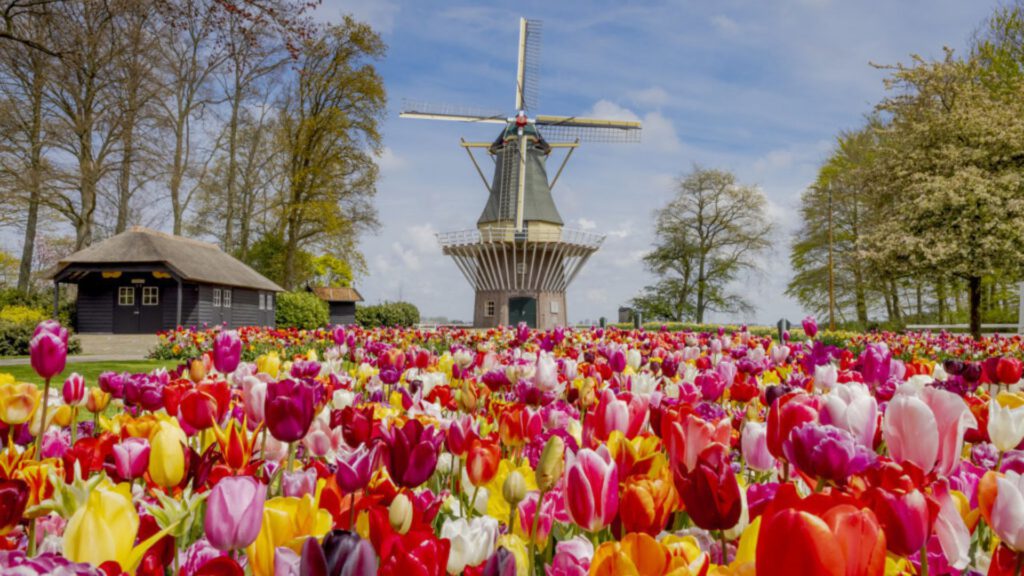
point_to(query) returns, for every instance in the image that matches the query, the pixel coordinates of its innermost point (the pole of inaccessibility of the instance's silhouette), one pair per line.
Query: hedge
(388, 314)
(301, 310)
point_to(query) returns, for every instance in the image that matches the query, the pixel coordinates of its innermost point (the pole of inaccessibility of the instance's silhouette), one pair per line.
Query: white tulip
(472, 541)
(1005, 425)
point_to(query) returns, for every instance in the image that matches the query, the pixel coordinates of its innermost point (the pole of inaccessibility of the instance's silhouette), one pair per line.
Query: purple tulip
(501, 563)
(305, 369)
(234, 512)
(227, 351)
(131, 457)
(17, 562)
(342, 553)
(810, 327)
(875, 364)
(48, 352)
(825, 451)
(412, 452)
(74, 390)
(289, 409)
(356, 467)
(112, 383)
(338, 334)
(617, 360)
(522, 332)
(143, 390)
(298, 484)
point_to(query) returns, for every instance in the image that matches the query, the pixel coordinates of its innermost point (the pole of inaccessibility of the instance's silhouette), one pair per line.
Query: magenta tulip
(288, 409)
(227, 351)
(234, 512)
(711, 385)
(48, 352)
(592, 489)
(824, 451)
(131, 458)
(810, 326)
(356, 467)
(74, 390)
(412, 452)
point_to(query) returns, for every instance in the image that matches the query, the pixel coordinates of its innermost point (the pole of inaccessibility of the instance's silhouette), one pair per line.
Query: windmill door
(522, 310)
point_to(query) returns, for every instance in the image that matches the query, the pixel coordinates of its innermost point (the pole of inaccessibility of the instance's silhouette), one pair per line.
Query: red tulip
(861, 539)
(786, 413)
(905, 515)
(412, 452)
(797, 543)
(482, 459)
(356, 425)
(13, 498)
(710, 491)
(1008, 370)
(198, 409)
(74, 390)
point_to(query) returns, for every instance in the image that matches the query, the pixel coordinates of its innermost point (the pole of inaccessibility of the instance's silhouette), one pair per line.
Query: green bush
(388, 314)
(15, 337)
(19, 314)
(301, 310)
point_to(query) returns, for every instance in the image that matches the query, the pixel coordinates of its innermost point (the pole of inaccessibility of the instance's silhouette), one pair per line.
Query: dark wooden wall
(342, 312)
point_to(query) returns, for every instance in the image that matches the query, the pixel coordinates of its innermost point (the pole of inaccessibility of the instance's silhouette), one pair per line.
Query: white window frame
(270, 300)
(554, 307)
(489, 308)
(150, 295)
(225, 298)
(263, 300)
(122, 292)
(216, 298)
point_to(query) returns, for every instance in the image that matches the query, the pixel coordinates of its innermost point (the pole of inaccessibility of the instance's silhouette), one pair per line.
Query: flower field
(515, 452)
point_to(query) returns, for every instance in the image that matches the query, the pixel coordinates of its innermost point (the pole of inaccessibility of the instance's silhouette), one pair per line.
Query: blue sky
(758, 88)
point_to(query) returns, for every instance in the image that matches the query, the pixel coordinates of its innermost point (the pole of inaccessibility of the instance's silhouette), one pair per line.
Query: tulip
(710, 491)
(826, 452)
(167, 454)
(342, 553)
(236, 444)
(904, 515)
(18, 402)
(825, 376)
(285, 521)
(482, 458)
(876, 362)
(592, 495)
(227, 351)
(400, 513)
(269, 364)
(927, 429)
(711, 385)
(852, 408)
(1008, 371)
(1001, 500)
(810, 326)
(131, 457)
(198, 409)
(501, 563)
(551, 464)
(472, 541)
(74, 390)
(234, 511)
(797, 543)
(789, 411)
(289, 409)
(97, 400)
(48, 349)
(754, 445)
(13, 499)
(647, 503)
(572, 557)
(356, 467)
(412, 453)
(1005, 425)
(298, 484)
(639, 553)
(684, 441)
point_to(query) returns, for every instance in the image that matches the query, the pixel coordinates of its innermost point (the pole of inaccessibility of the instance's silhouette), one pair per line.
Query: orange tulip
(641, 455)
(639, 554)
(482, 458)
(18, 402)
(647, 503)
(860, 537)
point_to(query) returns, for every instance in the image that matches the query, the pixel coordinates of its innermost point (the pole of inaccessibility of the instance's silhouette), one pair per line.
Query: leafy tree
(329, 270)
(711, 232)
(266, 256)
(330, 128)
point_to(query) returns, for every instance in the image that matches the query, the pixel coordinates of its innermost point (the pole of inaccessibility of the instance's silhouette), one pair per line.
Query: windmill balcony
(570, 236)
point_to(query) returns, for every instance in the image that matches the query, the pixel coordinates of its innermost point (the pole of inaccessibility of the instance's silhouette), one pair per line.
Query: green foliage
(18, 314)
(266, 256)
(388, 314)
(301, 310)
(329, 270)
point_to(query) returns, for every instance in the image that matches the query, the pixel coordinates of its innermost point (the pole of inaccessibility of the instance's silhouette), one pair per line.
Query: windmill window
(489, 309)
(521, 268)
(216, 297)
(126, 296)
(150, 295)
(554, 307)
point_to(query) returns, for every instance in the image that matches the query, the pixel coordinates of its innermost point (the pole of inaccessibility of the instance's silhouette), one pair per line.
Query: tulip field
(352, 451)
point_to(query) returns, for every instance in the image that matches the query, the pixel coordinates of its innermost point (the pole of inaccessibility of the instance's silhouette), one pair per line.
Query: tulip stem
(74, 424)
(95, 423)
(725, 547)
(924, 560)
(32, 538)
(352, 512)
(42, 421)
(533, 532)
(472, 503)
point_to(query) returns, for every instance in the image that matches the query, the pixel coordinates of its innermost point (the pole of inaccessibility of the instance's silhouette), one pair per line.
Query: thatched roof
(192, 260)
(337, 294)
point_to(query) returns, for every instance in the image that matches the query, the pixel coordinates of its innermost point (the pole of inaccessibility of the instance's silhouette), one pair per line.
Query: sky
(758, 88)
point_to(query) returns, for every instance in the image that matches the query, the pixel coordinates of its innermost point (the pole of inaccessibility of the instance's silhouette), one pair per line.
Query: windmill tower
(521, 258)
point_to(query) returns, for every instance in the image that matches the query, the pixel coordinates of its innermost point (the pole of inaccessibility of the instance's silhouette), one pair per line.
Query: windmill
(521, 258)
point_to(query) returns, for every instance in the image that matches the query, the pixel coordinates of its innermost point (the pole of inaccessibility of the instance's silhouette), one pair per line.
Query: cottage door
(127, 310)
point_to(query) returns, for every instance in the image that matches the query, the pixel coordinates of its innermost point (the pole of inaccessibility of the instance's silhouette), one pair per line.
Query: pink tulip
(227, 351)
(617, 360)
(131, 457)
(852, 408)
(356, 467)
(234, 512)
(687, 439)
(625, 413)
(48, 352)
(74, 390)
(572, 558)
(711, 385)
(1002, 498)
(298, 484)
(927, 429)
(754, 444)
(592, 489)
(810, 326)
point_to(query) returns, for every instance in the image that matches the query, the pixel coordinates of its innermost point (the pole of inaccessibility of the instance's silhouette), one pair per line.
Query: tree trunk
(974, 299)
(229, 204)
(35, 180)
(940, 297)
(124, 180)
(897, 314)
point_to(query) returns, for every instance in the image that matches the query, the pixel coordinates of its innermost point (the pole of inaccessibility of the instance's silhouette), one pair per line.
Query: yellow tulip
(497, 506)
(517, 546)
(105, 528)
(167, 455)
(287, 521)
(62, 416)
(18, 402)
(269, 363)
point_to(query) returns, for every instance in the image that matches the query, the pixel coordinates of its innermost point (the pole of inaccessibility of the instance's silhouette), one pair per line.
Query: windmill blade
(528, 64)
(571, 128)
(455, 113)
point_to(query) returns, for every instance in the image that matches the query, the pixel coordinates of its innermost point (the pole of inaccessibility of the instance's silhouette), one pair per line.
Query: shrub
(388, 314)
(22, 314)
(15, 337)
(301, 310)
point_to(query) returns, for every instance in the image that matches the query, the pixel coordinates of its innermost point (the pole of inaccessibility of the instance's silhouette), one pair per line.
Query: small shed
(341, 302)
(142, 281)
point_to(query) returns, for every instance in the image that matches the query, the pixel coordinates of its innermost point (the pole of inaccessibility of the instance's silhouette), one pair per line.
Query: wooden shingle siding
(95, 308)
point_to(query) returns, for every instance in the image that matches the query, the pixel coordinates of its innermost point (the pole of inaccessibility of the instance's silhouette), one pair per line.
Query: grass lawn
(89, 370)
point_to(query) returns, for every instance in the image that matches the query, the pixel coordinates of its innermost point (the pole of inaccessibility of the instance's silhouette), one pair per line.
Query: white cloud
(658, 132)
(654, 96)
(388, 161)
(424, 239)
(409, 257)
(586, 224)
(608, 110)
